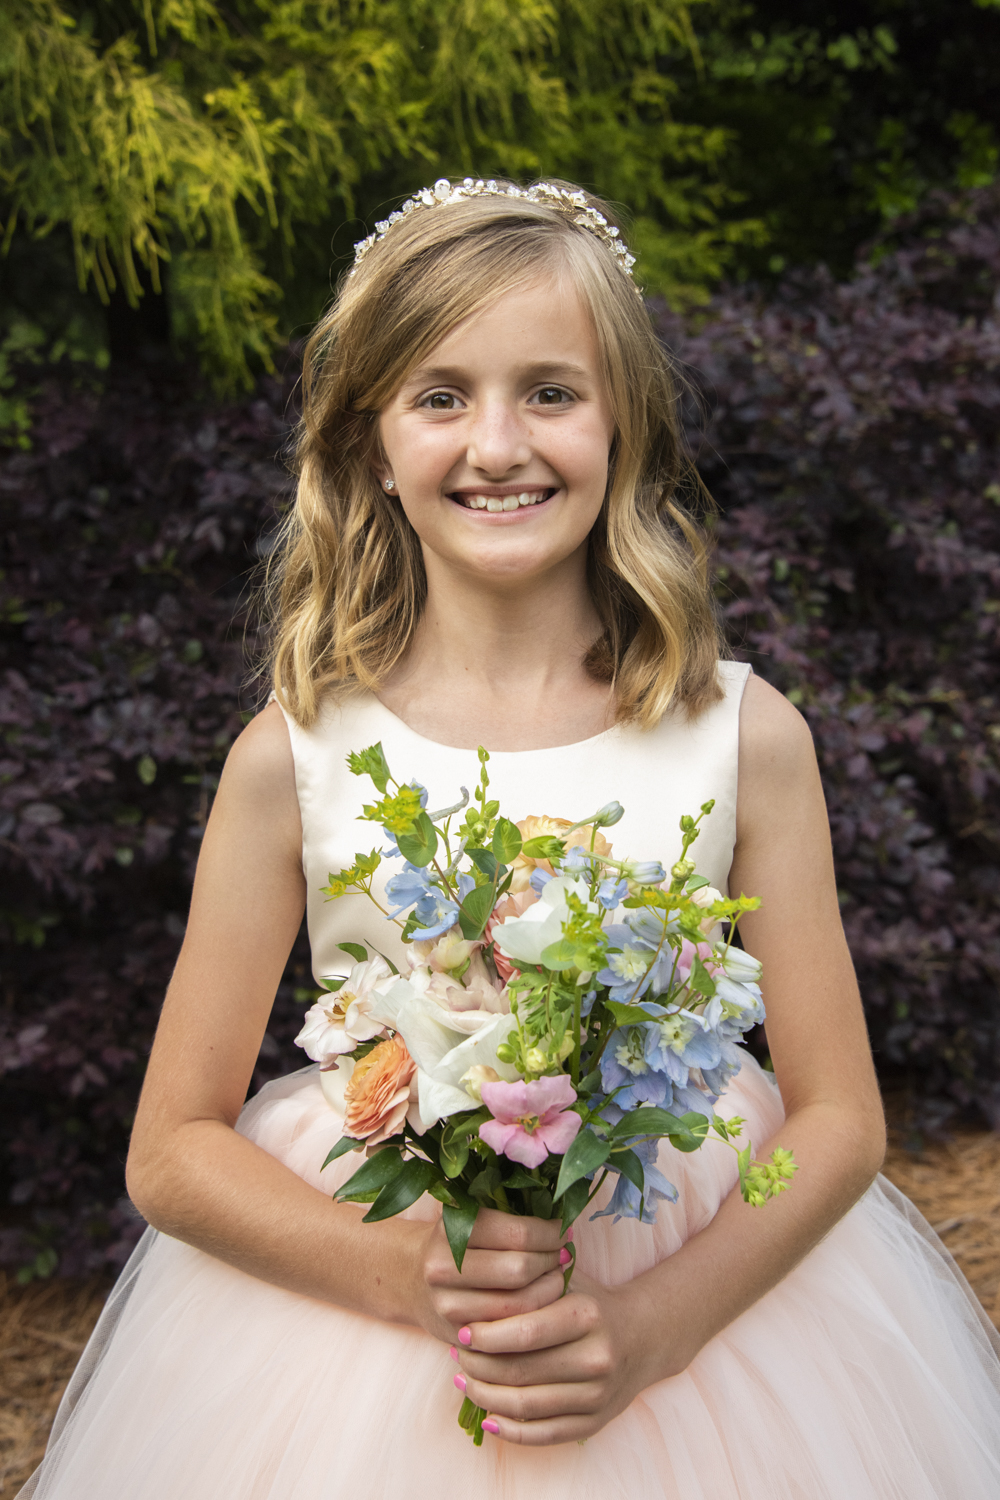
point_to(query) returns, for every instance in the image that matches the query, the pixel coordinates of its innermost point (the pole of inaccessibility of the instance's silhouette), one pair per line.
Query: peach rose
(377, 1095)
(533, 828)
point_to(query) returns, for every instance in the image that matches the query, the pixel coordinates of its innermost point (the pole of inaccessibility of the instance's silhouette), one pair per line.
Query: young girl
(490, 548)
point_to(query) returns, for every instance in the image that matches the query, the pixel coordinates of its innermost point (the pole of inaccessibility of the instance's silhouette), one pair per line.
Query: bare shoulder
(258, 781)
(778, 774)
(774, 737)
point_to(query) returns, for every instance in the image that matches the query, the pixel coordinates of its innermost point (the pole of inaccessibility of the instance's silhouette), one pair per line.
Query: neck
(500, 662)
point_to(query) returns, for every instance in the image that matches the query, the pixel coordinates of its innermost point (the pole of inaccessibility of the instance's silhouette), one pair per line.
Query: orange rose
(533, 828)
(377, 1095)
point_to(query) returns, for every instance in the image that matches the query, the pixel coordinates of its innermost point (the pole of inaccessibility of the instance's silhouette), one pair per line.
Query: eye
(440, 401)
(552, 395)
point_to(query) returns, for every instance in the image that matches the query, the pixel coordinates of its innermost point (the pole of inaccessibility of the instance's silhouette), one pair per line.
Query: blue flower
(735, 1007)
(626, 1200)
(409, 886)
(435, 913)
(678, 1042)
(611, 891)
(727, 1067)
(538, 880)
(644, 872)
(465, 884)
(624, 1067)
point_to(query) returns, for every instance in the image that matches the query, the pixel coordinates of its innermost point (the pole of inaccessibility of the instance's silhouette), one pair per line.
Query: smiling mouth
(496, 503)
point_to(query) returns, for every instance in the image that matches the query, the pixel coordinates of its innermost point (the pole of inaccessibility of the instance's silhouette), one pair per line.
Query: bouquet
(565, 1012)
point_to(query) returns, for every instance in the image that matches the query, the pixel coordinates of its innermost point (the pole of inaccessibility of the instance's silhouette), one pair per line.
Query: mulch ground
(44, 1326)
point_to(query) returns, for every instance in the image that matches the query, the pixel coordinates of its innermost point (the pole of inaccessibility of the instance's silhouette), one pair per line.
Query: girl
(490, 547)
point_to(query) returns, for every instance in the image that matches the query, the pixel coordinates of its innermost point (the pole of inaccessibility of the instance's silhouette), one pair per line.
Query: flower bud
(610, 814)
(506, 1053)
(476, 1076)
(535, 1060)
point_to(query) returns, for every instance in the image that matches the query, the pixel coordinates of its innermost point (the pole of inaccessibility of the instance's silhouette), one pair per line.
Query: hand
(559, 1373)
(512, 1268)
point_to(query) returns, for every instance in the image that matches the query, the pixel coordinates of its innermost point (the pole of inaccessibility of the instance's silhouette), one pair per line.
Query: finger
(536, 1403)
(467, 1307)
(543, 1434)
(494, 1270)
(560, 1322)
(586, 1359)
(496, 1231)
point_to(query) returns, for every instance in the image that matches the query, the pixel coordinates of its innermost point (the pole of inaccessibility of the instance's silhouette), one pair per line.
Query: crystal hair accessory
(571, 202)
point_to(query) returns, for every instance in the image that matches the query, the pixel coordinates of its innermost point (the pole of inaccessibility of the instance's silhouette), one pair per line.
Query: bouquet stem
(471, 1419)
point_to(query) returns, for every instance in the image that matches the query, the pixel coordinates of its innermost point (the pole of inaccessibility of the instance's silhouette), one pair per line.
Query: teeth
(510, 502)
(525, 499)
(493, 503)
(496, 503)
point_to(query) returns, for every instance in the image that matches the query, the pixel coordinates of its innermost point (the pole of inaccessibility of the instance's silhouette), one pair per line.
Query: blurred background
(811, 189)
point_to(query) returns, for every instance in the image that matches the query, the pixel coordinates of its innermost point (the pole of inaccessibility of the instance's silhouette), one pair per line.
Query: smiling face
(498, 441)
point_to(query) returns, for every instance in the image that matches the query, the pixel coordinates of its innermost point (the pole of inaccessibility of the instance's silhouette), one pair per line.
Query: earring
(389, 485)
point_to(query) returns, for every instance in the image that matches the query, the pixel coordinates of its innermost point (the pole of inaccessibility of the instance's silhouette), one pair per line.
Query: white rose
(339, 1021)
(524, 939)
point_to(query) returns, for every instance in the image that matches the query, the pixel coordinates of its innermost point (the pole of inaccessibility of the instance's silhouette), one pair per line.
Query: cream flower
(535, 827)
(510, 906)
(339, 1021)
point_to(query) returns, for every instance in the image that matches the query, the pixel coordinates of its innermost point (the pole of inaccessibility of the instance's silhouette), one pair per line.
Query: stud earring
(389, 485)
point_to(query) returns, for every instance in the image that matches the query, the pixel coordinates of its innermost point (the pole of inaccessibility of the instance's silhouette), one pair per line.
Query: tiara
(571, 202)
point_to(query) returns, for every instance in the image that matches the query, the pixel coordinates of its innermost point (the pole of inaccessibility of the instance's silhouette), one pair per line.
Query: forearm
(213, 1189)
(679, 1305)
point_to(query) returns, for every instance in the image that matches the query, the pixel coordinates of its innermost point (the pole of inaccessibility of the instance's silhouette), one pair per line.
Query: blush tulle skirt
(869, 1373)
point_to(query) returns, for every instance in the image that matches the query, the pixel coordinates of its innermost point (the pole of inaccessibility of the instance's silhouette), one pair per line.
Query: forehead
(545, 322)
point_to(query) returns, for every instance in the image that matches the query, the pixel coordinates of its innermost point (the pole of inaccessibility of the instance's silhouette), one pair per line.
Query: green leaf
(370, 762)
(459, 1222)
(573, 1202)
(345, 1144)
(586, 1153)
(520, 1178)
(590, 1084)
(686, 1132)
(701, 980)
(420, 846)
(544, 847)
(454, 1149)
(696, 883)
(373, 1175)
(484, 860)
(628, 1015)
(405, 1188)
(629, 1165)
(474, 912)
(356, 951)
(506, 841)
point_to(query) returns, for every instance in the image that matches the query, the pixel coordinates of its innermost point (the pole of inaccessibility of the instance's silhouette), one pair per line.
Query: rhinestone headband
(571, 202)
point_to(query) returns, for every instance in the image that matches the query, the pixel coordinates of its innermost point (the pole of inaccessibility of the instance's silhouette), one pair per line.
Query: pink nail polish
(460, 1382)
(564, 1257)
(490, 1426)
(465, 1336)
(569, 1233)
(453, 1352)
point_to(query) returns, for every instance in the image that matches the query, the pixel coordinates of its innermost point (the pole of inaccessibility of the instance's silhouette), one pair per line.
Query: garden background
(811, 189)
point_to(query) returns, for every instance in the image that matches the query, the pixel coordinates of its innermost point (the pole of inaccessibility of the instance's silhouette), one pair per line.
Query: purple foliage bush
(851, 441)
(853, 447)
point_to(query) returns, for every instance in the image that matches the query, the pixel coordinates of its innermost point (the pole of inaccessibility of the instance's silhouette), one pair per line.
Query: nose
(498, 439)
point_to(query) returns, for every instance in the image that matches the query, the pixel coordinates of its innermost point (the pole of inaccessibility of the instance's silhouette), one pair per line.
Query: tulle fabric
(868, 1373)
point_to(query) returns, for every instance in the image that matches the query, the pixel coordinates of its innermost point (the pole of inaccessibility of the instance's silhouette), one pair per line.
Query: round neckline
(494, 754)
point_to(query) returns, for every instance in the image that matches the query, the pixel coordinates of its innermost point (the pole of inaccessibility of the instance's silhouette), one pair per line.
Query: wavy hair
(346, 582)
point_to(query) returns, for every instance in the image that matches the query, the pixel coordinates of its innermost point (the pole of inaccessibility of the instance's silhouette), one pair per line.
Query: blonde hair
(346, 584)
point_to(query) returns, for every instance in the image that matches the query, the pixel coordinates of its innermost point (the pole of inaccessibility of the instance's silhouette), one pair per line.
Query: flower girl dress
(868, 1373)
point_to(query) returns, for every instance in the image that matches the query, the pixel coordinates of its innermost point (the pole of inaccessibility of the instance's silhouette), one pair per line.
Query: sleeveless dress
(869, 1373)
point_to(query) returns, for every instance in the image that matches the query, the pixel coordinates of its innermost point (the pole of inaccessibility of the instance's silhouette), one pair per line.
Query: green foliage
(229, 145)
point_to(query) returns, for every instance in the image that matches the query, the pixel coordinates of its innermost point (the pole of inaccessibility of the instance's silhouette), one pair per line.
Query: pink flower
(530, 1120)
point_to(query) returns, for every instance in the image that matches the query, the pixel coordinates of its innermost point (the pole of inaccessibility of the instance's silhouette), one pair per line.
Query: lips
(497, 503)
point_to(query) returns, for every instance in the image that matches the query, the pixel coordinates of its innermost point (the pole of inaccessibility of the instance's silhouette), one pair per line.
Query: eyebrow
(452, 374)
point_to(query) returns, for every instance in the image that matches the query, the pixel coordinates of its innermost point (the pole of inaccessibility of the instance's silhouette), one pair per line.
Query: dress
(868, 1373)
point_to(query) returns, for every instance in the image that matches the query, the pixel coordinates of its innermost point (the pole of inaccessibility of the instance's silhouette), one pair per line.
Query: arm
(564, 1372)
(188, 1171)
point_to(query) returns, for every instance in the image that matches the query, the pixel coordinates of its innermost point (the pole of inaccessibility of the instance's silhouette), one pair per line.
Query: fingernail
(460, 1382)
(490, 1426)
(465, 1336)
(453, 1352)
(564, 1257)
(569, 1233)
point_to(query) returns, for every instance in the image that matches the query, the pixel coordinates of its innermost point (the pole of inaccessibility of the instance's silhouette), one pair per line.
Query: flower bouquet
(565, 1011)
